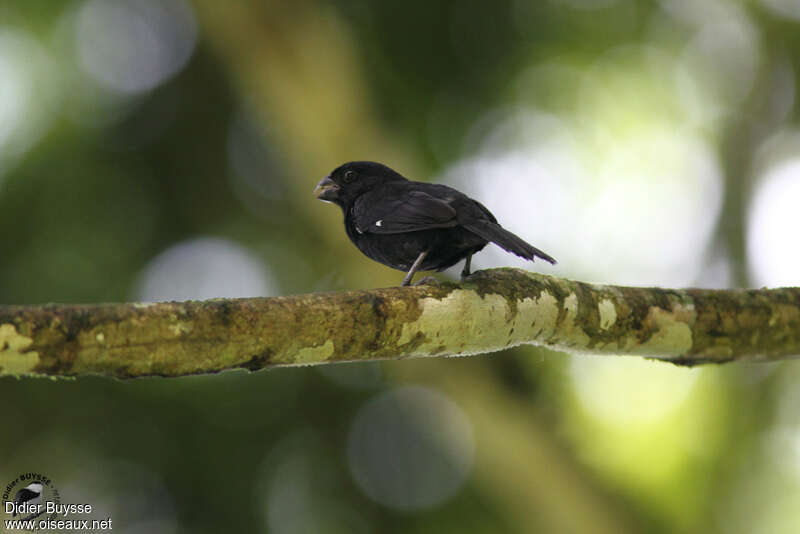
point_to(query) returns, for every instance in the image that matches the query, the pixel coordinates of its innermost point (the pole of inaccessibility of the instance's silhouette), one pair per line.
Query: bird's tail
(506, 240)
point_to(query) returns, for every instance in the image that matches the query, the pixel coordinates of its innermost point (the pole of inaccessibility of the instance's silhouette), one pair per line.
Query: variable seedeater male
(414, 226)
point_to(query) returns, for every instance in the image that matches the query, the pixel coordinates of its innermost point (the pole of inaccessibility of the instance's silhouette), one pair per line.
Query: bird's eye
(348, 176)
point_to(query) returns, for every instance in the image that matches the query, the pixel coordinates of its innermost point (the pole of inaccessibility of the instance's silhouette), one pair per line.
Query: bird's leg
(414, 267)
(465, 270)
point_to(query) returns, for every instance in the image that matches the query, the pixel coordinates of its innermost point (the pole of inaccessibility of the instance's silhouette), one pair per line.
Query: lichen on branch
(490, 311)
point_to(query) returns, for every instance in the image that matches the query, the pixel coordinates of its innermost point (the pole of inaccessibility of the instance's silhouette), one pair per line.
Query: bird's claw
(428, 281)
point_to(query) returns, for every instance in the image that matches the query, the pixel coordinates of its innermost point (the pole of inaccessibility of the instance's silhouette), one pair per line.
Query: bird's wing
(25, 495)
(411, 212)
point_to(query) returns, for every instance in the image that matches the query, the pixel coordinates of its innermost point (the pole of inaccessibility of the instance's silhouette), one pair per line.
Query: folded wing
(412, 212)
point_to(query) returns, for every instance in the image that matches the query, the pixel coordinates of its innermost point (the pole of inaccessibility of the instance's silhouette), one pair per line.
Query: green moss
(14, 359)
(491, 310)
(315, 354)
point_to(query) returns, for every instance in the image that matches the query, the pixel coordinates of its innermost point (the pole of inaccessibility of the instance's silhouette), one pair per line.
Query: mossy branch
(492, 310)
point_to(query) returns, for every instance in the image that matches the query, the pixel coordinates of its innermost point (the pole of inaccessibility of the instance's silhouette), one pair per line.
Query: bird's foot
(469, 276)
(467, 265)
(414, 268)
(428, 281)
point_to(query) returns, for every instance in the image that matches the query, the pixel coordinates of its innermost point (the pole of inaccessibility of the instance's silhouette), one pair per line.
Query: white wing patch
(379, 222)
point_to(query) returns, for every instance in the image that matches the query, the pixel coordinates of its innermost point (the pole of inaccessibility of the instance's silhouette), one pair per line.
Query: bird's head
(352, 179)
(35, 487)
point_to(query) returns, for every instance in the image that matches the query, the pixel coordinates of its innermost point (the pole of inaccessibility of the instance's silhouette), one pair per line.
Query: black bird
(31, 495)
(413, 226)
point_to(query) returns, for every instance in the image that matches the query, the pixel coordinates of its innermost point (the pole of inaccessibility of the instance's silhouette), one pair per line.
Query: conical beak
(327, 190)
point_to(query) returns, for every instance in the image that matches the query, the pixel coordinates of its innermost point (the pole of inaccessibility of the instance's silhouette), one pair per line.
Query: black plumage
(413, 226)
(32, 494)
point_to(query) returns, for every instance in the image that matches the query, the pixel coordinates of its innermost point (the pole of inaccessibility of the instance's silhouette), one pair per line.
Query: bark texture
(492, 310)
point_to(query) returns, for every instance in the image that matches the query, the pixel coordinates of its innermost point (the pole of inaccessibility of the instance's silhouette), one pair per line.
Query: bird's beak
(327, 190)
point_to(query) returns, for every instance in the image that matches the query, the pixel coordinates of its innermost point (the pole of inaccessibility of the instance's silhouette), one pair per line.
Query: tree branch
(492, 310)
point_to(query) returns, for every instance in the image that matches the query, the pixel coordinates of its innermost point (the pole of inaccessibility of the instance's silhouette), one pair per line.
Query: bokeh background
(167, 149)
